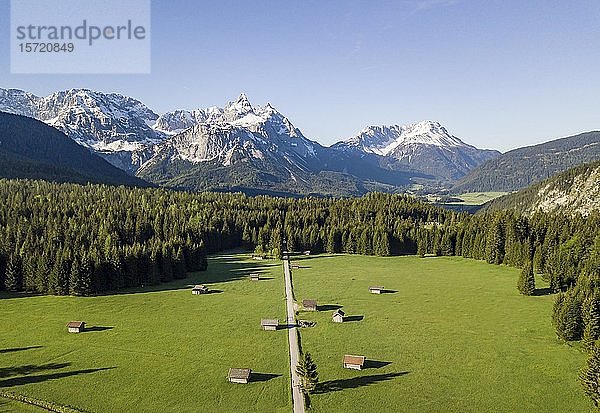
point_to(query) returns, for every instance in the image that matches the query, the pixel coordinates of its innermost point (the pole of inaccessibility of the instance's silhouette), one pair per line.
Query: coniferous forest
(82, 240)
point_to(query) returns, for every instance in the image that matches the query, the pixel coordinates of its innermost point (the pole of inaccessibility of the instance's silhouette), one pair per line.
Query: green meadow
(450, 335)
(152, 350)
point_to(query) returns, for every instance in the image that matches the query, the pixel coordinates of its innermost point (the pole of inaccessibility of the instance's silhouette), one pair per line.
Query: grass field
(453, 335)
(152, 351)
(11, 406)
(479, 198)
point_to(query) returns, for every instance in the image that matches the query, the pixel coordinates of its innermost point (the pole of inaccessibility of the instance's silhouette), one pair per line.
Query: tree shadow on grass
(19, 381)
(328, 307)
(543, 291)
(353, 318)
(376, 364)
(96, 329)
(355, 382)
(30, 369)
(221, 269)
(262, 377)
(10, 350)
(19, 294)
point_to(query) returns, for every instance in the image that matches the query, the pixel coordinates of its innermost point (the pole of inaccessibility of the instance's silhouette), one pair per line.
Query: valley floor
(449, 335)
(147, 351)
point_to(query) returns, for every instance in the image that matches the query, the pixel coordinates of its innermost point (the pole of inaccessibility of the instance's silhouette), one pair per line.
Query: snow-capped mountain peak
(426, 146)
(238, 109)
(383, 140)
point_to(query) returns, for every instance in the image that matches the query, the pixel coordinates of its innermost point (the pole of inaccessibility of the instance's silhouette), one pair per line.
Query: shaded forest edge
(87, 239)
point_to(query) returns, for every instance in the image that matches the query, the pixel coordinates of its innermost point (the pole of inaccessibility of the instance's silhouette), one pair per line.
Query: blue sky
(497, 74)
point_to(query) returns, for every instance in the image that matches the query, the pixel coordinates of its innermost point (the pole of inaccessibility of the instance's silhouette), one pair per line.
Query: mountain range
(249, 148)
(522, 167)
(571, 192)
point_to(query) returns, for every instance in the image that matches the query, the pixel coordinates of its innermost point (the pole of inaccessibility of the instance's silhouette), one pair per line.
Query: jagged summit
(425, 146)
(240, 107)
(383, 140)
(258, 142)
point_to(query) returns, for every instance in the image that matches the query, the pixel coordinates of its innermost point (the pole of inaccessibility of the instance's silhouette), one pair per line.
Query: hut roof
(338, 312)
(267, 322)
(349, 359)
(200, 287)
(376, 288)
(309, 303)
(75, 324)
(239, 373)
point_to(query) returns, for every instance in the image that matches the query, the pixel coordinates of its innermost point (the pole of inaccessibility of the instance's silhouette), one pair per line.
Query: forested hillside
(33, 150)
(72, 239)
(575, 191)
(522, 167)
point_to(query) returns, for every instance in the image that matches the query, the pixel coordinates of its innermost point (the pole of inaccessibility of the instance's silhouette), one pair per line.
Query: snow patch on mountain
(383, 140)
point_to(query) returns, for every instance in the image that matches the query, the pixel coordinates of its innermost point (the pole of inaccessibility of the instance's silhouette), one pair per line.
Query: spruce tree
(591, 333)
(179, 265)
(307, 371)
(557, 311)
(13, 277)
(526, 282)
(569, 321)
(589, 377)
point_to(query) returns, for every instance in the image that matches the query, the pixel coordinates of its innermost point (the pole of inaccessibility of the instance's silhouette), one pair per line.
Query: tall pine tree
(526, 283)
(307, 372)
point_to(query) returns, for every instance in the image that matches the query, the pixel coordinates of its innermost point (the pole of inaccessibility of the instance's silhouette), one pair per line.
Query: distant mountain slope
(31, 149)
(522, 167)
(425, 147)
(239, 144)
(575, 191)
(250, 149)
(117, 127)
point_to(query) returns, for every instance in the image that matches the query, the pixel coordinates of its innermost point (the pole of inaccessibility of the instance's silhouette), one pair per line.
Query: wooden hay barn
(309, 305)
(376, 290)
(306, 252)
(239, 375)
(295, 266)
(354, 362)
(199, 289)
(258, 257)
(270, 325)
(75, 326)
(338, 316)
(254, 277)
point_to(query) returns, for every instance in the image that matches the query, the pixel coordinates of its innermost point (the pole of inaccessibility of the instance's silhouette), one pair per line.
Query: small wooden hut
(75, 326)
(239, 375)
(270, 325)
(338, 316)
(376, 290)
(200, 289)
(254, 277)
(309, 305)
(354, 362)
